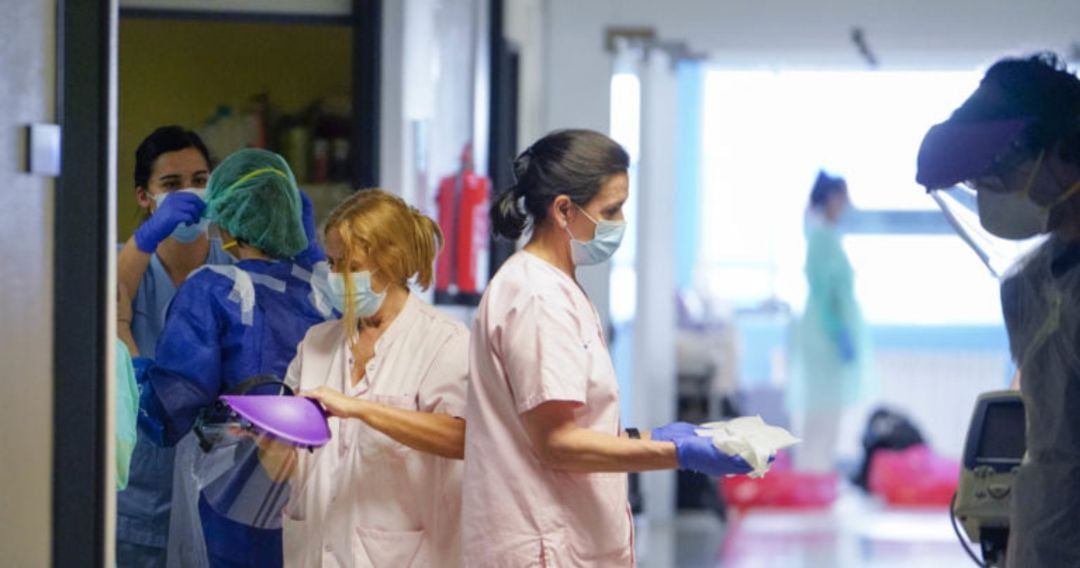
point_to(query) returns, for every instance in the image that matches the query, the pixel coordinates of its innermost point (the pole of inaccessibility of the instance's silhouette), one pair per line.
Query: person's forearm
(123, 321)
(131, 264)
(429, 432)
(583, 450)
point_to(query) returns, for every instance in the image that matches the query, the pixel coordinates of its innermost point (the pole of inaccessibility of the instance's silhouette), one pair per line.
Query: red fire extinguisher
(462, 269)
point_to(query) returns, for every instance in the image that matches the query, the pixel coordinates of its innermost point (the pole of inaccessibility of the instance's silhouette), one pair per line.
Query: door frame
(84, 249)
(82, 316)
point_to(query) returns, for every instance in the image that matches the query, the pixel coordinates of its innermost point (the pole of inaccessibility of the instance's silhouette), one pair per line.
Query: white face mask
(605, 241)
(1013, 214)
(186, 233)
(366, 301)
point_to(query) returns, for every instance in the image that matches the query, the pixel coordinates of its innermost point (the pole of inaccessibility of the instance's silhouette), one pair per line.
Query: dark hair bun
(574, 163)
(507, 219)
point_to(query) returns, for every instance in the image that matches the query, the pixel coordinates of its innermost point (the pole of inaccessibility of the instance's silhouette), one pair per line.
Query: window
(766, 134)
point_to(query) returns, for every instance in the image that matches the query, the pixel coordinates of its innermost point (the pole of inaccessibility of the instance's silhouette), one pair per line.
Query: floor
(856, 532)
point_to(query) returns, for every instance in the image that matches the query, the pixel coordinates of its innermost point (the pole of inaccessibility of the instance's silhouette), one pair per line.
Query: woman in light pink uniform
(386, 490)
(545, 455)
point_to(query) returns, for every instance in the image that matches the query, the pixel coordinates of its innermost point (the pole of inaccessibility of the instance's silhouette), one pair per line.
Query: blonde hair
(399, 241)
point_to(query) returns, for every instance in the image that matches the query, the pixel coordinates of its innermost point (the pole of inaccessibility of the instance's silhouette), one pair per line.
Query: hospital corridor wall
(27, 96)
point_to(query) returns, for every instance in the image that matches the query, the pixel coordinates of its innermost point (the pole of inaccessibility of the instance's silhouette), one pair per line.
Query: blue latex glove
(673, 431)
(313, 253)
(178, 209)
(844, 346)
(697, 453)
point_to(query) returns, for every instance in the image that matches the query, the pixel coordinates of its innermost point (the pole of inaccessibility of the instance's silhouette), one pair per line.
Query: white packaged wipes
(750, 438)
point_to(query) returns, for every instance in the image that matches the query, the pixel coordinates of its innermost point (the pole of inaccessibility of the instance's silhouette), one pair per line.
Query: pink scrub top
(364, 499)
(537, 338)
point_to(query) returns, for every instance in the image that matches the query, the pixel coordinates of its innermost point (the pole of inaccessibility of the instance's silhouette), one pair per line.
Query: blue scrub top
(143, 507)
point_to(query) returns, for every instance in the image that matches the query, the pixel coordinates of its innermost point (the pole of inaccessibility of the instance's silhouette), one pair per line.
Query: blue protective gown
(826, 374)
(225, 325)
(142, 524)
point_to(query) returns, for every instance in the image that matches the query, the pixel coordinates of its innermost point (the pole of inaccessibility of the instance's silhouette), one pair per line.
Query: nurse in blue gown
(229, 323)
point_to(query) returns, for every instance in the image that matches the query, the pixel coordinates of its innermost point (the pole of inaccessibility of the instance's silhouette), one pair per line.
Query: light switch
(44, 149)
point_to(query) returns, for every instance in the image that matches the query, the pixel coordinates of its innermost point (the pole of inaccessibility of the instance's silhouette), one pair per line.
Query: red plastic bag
(913, 476)
(781, 487)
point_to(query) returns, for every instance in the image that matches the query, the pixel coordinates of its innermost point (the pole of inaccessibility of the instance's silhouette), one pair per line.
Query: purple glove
(697, 453)
(180, 208)
(673, 431)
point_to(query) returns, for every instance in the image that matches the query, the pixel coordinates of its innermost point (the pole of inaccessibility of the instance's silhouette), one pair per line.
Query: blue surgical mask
(605, 241)
(366, 301)
(186, 233)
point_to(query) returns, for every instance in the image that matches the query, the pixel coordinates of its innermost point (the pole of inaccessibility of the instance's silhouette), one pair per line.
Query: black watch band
(633, 433)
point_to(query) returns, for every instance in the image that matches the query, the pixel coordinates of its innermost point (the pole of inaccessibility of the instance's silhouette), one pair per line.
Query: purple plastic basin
(292, 419)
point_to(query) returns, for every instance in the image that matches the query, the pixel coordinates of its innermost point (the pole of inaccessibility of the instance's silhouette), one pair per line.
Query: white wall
(27, 95)
(431, 84)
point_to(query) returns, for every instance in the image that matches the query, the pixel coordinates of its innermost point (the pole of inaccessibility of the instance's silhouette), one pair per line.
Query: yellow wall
(180, 71)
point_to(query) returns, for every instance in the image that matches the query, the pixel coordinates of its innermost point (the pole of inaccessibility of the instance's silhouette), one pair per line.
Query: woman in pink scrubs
(545, 455)
(386, 490)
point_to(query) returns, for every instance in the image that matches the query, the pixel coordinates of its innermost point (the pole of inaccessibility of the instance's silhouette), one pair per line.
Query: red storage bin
(914, 476)
(781, 487)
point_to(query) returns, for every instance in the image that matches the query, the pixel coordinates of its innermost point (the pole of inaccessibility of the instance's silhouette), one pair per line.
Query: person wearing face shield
(830, 343)
(229, 323)
(1014, 149)
(546, 458)
(392, 374)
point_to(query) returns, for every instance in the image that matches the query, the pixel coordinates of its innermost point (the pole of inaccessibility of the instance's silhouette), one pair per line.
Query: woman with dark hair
(172, 166)
(545, 457)
(1015, 145)
(830, 345)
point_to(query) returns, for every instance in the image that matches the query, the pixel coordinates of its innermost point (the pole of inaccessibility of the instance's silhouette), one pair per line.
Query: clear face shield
(246, 470)
(961, 205)
(993, 213)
